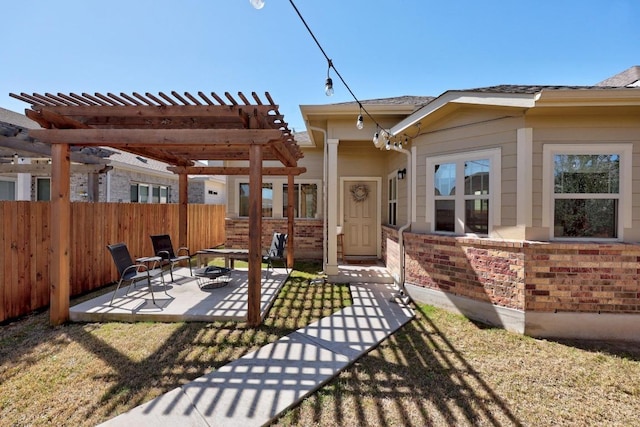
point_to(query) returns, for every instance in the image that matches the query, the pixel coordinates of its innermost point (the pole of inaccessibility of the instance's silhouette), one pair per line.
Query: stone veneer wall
(309, 240)
(529, 276)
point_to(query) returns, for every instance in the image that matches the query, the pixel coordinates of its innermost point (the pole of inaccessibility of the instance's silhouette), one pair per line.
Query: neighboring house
(515, 205)
(210, 189)
(107, 176)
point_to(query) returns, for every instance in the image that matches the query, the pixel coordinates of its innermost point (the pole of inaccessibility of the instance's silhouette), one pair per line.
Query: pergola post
(291, 240)
(254, 317)
(60, 215)
(183, 195)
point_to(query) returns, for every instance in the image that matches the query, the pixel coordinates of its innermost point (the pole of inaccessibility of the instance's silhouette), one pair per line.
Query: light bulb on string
(258, 4)
(376, 136)
(328, 84)
(328, 87)
(360, 122)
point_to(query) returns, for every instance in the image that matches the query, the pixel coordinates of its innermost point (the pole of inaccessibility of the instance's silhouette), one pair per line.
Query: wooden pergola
(175, 129)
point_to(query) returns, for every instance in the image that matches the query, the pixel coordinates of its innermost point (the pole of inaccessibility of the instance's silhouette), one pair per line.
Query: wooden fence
(25, 252)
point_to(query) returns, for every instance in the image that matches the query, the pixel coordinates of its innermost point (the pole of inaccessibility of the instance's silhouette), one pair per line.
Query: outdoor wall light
(402, 173)
(258, 4)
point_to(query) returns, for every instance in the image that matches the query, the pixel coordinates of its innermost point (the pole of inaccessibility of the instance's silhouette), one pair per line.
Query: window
(305, 203)
(468, 211)
(267, 199)
(140, 193)
(7, 190)
(146, 193)
(143, 193)
(392, 202)
(43, 189)
(585, 192)
(159, 194)
(164, 194)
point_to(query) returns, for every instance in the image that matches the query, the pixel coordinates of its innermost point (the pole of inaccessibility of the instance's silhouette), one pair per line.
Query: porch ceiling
(175, 129)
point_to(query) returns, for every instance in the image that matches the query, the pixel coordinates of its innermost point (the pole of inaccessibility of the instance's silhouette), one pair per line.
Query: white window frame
(277, 186)
(165, 198)
(392, 199)
(625, 151)
(494, 155)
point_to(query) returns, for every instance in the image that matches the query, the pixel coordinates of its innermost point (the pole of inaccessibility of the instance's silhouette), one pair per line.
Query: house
(97, 174)
(518, 206)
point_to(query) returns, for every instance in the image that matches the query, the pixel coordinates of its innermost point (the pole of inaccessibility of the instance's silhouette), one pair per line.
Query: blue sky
(382, 48)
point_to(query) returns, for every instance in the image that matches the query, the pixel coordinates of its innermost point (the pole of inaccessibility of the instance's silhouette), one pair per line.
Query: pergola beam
(166, 137)
(45, 170)
(168, 111)
(40, 148)
(235, 170)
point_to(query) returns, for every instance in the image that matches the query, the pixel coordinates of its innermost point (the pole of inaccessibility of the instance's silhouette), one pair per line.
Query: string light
(328, 87)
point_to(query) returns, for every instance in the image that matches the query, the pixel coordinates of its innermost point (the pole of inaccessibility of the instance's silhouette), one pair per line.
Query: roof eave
(590, 98)
(458, 98)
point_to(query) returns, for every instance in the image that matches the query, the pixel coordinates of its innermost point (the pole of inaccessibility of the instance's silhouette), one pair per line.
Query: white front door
(360, 222)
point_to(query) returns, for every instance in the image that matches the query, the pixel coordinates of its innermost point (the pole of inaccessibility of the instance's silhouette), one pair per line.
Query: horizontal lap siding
(25, 244)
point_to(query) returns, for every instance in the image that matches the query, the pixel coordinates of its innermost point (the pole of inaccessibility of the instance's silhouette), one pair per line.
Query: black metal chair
(130, 271)
(276, 251)
(163, 248)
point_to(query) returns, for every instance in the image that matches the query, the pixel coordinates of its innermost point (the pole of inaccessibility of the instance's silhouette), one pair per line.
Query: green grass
(440, 369)
(443, 370)
(84, 374)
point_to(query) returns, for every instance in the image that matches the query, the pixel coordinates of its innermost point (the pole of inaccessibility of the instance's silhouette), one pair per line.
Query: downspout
(324, 194)
(401, 294)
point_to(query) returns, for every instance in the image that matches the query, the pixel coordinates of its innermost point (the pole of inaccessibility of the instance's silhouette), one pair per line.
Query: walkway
(253, 390)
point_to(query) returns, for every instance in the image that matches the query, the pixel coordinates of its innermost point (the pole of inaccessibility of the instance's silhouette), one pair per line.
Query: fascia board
(591, 98)
(467, 98)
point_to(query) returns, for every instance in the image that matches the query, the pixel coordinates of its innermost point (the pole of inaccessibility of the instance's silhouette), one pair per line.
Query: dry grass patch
(84, 374)
(443, 370)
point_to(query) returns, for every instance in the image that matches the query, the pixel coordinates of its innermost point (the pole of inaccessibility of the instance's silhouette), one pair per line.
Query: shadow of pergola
(420, 378)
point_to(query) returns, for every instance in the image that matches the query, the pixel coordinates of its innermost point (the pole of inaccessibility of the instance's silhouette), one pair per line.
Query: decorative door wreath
(359, 192)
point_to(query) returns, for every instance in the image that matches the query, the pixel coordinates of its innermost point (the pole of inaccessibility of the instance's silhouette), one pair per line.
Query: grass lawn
(440, 369)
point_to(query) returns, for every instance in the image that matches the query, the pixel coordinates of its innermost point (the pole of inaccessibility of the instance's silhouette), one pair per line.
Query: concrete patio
(184, 300)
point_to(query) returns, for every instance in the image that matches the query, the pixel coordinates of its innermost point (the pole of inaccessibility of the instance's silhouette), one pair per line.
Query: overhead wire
(332, 66)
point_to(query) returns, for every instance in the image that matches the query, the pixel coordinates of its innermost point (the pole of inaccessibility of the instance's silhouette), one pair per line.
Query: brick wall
(586, 277)
(391, 251)
(529, 276)
(481, 269)
(309, 240)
